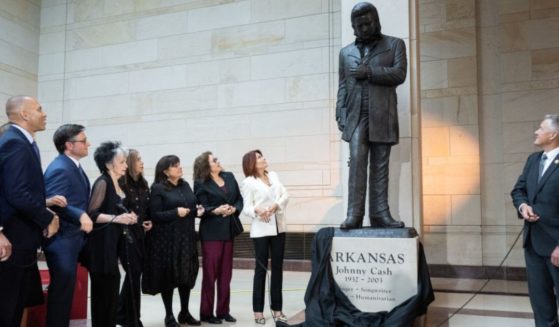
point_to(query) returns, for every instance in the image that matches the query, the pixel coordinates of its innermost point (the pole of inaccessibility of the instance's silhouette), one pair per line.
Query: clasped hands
(224, 210)
(265, 214)
(183, 212)
(128, 218)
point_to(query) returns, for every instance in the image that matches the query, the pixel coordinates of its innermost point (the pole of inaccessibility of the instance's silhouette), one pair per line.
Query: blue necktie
(36, 149)
(82, 173)
(542, 166)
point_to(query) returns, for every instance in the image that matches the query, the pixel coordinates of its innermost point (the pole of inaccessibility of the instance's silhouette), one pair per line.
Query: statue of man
(370, 70)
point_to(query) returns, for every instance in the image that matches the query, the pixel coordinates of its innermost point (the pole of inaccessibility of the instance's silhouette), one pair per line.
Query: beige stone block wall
(450, 130)
(521, 35)
(19, 48)
(186, 76)
(491, 75)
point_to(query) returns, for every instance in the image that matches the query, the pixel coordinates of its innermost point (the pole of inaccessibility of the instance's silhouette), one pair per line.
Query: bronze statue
(370, 70)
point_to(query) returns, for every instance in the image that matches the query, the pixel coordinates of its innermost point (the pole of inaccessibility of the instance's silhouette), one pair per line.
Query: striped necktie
(542, 166)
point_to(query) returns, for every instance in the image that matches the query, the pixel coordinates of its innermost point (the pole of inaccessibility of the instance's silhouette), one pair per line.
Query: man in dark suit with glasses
(65, 176)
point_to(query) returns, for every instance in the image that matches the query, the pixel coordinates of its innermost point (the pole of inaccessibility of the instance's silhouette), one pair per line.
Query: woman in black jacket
(171, 253)
(107, 240)
(136, 189)
(219, 193)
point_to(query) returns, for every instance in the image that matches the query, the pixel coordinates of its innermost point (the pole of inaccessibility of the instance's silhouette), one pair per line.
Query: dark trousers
(265, 247)
(217, 266)
(104, 298)
(543, 279)
(361, 152)
(128, 308)
(62, 259)
(17, 276)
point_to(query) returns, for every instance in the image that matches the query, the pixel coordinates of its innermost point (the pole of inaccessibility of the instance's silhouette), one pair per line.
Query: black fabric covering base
(327, 305)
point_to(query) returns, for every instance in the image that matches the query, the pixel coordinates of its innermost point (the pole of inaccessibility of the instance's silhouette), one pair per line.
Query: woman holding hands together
(171, 253)
(219, 193)
(265, 200)
(107, 241)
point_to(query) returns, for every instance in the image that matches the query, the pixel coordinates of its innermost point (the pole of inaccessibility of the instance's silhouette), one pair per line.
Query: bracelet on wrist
(112, 218)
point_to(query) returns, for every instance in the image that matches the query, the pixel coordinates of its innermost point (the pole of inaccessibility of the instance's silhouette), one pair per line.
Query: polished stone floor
(500, 303)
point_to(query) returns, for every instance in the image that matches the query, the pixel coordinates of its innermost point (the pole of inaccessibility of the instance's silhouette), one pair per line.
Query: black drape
(327, 305)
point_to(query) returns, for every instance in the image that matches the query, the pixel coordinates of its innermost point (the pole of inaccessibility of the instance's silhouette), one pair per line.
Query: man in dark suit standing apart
(65, 176)
(536, 197)
(24, 217)
(370, 70)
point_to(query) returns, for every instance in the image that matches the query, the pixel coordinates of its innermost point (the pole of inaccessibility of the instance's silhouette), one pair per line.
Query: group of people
(120, 218)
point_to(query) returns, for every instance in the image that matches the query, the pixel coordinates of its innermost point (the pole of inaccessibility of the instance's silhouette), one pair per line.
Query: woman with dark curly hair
(219, 193)
(171, 253)
(108, 239)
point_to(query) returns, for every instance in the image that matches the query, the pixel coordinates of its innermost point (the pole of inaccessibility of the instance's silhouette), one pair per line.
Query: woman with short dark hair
(219, 193)
(265, 200)
(171, 253)
(107, 241)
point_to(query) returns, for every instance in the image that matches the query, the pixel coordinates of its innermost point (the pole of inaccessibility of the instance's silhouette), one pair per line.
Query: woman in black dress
(171, 253)
(108, 239)
(136, 189)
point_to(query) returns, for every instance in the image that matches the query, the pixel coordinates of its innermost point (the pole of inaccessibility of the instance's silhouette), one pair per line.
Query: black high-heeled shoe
(185, 317)
(228, 317)
(211, 319)
(171, 322)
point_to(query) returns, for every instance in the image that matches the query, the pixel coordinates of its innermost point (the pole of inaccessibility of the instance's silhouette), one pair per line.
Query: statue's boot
(385, 220)
(352, 222)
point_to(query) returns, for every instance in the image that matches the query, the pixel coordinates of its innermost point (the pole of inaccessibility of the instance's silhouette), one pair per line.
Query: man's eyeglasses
(84, 141)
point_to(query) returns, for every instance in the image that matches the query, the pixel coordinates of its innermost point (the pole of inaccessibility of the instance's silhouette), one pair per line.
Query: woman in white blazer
(265, 199)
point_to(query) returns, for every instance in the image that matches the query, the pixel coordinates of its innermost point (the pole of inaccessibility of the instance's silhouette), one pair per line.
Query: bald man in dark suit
(536, 196)
(24, 217)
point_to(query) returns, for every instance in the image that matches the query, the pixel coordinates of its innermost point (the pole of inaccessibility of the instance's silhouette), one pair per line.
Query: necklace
(264, 178)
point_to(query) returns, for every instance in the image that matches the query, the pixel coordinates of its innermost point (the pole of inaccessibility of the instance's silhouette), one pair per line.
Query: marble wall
(489, 74)
(450, 131)
(186, 76)
(19, 48)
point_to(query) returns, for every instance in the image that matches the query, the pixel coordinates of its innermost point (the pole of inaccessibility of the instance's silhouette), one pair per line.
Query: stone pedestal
(376, 268)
